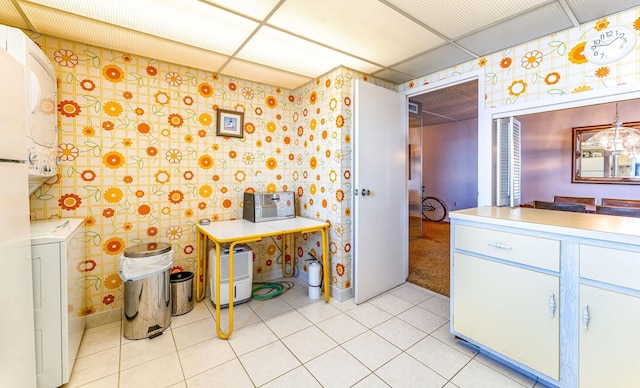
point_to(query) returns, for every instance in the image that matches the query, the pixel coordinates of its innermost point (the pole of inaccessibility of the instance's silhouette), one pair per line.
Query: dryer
(42, 121)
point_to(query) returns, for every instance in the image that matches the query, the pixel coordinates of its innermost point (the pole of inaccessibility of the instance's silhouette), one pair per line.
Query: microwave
(260, 207)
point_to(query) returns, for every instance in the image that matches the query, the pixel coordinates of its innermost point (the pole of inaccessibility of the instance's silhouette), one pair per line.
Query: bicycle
(433, 208)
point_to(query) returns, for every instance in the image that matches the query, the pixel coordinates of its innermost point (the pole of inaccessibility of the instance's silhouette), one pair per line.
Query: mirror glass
(593, 163)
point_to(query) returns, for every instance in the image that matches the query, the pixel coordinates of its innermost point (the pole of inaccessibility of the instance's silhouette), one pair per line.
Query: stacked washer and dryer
(44, 291)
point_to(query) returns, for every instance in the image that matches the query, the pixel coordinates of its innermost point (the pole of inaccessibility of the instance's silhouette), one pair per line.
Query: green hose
(266, 290)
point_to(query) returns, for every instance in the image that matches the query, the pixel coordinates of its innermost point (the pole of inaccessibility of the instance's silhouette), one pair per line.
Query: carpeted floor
(429, 256)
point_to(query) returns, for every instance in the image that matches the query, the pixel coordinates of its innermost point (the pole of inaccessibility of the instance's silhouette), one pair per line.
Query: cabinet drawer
(614, 266)
(529, 250)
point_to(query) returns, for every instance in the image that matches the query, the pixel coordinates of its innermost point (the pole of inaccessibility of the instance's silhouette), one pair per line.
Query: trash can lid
(148, 249)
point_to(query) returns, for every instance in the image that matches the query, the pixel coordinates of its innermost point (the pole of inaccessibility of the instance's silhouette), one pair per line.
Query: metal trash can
(145, 270)
(181, 292)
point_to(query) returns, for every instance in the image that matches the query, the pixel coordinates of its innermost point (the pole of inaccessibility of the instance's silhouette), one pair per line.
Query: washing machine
(42, 121)
(242, 274)
(59, 265)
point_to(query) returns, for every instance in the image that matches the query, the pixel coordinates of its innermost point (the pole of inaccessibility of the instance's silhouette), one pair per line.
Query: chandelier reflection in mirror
(617, 139)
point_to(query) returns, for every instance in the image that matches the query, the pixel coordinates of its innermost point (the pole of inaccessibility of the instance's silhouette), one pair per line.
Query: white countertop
(234, 230)
(596, 226)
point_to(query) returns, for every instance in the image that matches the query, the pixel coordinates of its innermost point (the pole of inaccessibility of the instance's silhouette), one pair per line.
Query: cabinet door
(507, 309)
(609, 355)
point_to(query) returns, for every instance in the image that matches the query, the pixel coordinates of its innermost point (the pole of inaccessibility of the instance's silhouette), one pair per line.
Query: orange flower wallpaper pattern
(140, 159)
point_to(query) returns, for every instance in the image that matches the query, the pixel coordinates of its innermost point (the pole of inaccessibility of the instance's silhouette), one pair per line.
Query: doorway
(443, 138)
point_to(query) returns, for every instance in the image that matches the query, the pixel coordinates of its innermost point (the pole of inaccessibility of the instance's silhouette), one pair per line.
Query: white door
(380, 181)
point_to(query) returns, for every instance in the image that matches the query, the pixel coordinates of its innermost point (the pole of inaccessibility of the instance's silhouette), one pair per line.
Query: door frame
(485, 136)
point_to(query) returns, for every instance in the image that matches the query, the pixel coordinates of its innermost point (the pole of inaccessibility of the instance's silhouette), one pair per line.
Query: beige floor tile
(341, 328)
(371, 350)
(371, 381)
(391, 304)
(299, 377)
(228, 375)
(477, 375)
(204, 356)
(194, 333)
(369, 315)
(287, 323)
(437, 306)
(344, 305)
(405, 371)
(297, 297)
(140, 351)
(337, 368)
(105, 382)
(399, 333)
(267, 308)
(268, 362)
(412, 294)
(422, 319)
(161, 372)
(199, 312)
(318, 311)
(247, 339)
(505, 370)
(99, 340)
(309, 343)
(439, 356)
(94, 367)
(242, 316)
(443, 333)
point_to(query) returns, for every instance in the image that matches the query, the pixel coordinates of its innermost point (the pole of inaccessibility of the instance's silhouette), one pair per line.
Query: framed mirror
(595, 164)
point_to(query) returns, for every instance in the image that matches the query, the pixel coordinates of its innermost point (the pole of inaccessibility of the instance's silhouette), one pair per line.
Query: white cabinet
(512, 268)
(506, 308)
(610, 308)
(504, 305)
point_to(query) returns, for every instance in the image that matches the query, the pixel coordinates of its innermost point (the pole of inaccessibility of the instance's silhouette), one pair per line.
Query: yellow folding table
(242, 231)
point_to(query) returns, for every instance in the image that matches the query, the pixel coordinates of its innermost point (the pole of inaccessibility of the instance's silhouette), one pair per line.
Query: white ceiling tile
(588, 10)
(434, 60)
(393, 76)
(540, 22)
(91, 32)
(363, 28)
(287, 52)
(188, 21)
(255, 9)
(454, 18)
(267, 75)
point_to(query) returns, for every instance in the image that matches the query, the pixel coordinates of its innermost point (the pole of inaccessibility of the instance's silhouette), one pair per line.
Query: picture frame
(230, 123)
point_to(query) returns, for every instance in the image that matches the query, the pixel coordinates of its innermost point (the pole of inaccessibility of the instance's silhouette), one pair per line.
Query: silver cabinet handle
(586, 317)
(366, 192)
(552, 305)
(500, 246)
(355, 192)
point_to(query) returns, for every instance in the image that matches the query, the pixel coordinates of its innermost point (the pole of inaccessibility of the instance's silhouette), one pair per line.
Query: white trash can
(145, 270)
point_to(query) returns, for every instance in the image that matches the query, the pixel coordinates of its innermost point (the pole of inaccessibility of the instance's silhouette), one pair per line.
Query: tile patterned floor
(399, 339)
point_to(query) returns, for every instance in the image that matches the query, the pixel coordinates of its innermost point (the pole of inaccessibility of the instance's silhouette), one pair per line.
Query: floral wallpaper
(141, 162)
(549, 67)
(140, 159)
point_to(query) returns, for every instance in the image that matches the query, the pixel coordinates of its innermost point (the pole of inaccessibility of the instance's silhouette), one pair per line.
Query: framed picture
(230, 123)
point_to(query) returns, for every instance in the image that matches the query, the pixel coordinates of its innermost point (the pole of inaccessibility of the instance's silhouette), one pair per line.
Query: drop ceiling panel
(255, 9)
(194, 24)
(287, 52)
(540, 22)
(587, 10)
(455, 18)
(434, 60)
(89, 31)
(267, 75)
(363, 28)
(393, 76)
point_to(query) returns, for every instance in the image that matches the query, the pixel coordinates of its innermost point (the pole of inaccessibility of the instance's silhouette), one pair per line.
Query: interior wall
(450, 163)
(547, 152)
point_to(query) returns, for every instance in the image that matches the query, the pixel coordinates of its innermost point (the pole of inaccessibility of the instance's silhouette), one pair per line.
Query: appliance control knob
(32, 157)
